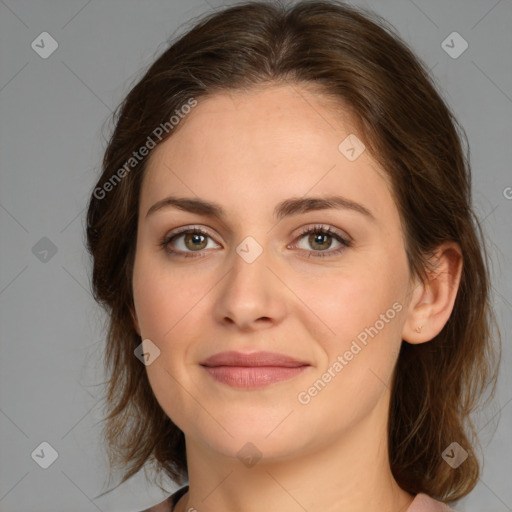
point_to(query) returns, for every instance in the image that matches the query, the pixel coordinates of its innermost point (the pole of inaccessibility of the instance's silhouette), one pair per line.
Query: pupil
(317, 239)
(196, 240)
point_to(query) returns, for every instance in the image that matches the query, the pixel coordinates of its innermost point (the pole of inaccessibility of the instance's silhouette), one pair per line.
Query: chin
(255, 434)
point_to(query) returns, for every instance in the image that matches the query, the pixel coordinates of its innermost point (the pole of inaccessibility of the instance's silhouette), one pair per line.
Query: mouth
(254, 370)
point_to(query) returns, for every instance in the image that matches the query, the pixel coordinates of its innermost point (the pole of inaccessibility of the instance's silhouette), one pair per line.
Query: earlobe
(432, 301)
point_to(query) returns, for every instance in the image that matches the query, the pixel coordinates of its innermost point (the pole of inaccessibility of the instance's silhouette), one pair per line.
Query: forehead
(262, 122)
(263, 144)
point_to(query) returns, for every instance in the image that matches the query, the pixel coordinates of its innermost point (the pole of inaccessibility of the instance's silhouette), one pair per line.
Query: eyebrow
(288, 207)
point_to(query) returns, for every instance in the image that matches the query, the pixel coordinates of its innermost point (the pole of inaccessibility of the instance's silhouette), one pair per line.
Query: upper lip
(233, 358)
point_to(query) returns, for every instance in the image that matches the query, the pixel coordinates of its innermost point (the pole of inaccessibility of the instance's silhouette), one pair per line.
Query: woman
(296, 283)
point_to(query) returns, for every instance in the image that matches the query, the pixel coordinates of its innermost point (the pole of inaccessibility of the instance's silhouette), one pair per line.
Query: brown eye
(194, 241)
(186, 242)
(319, 239)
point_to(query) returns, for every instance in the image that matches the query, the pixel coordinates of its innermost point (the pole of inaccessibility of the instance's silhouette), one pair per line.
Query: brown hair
(354, 57)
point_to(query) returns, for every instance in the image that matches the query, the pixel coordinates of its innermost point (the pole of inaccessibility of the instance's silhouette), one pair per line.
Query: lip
(233, 358)
(257, 369)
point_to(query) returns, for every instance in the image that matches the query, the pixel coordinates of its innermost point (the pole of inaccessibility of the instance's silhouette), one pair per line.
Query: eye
(187, 240)
(321, 239)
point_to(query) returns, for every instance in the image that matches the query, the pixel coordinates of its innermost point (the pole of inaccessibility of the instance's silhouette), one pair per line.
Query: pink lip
(258, 369)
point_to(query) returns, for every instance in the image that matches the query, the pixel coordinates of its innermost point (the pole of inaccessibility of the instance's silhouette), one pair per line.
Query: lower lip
(252, 376)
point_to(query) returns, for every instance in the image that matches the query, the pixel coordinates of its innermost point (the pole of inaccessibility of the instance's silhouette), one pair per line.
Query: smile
(254, 370)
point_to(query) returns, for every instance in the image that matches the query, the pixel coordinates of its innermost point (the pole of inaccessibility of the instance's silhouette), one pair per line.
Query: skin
(247, 152)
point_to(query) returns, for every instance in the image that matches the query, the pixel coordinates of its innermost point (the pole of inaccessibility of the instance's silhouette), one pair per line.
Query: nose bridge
(250, 261)
(250, 250)
(250, 291)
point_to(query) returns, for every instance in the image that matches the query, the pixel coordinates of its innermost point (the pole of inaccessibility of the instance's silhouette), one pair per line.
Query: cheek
(348, 302)
(169, 310)
(357, 361)
(363, 315)
(163, 296)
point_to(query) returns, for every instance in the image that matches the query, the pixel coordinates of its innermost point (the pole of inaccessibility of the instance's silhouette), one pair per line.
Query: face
(328, 305)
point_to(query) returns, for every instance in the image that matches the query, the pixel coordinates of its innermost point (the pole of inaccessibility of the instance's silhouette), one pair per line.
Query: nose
(251, 296)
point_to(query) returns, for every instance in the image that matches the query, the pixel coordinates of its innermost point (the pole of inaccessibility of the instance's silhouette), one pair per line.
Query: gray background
(54, 116)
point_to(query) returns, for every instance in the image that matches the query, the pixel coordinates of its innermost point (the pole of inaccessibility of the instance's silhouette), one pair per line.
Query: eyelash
(164, 243)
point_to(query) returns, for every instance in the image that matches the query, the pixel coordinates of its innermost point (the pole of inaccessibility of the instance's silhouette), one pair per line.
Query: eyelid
(344, 241)
(342, 237)
(331, 230)
(300, 232)
(192, 227)
(173, 234)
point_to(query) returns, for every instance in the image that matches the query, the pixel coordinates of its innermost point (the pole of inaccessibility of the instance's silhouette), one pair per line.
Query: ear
(135, 320)
(432, 302)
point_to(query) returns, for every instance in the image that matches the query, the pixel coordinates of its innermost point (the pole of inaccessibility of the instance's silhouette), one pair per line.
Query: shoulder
(164, 506)
(168, 504)
(424, 503)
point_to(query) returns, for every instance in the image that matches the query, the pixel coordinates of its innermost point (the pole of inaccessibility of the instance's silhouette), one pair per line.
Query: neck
(351, 474)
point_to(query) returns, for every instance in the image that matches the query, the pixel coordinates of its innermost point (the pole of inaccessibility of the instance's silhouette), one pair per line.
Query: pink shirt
(421, 503)
(424, 503)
